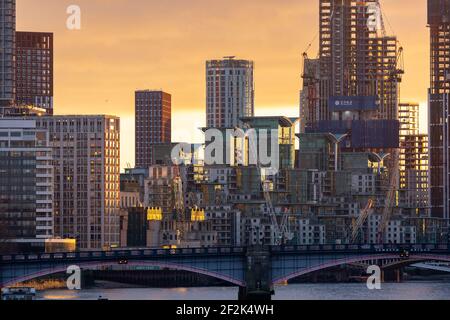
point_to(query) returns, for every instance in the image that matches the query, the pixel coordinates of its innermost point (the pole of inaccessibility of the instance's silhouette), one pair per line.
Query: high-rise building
(26, 182)
(153, 116)
(229, 92)
(356, 75)
(86, 160)
(7, 52)
(352, 89)
(439, 23)
(413, 162)
(408, 115)
(34, 69)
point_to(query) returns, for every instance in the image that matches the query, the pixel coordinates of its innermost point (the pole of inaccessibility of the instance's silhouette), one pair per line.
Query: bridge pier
(257, 275)
(399, 275)
(87, 278)
(392, 275)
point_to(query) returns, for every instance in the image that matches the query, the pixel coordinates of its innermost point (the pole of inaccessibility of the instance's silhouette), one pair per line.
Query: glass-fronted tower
(439, 24)
(7, 52)
(26, 183)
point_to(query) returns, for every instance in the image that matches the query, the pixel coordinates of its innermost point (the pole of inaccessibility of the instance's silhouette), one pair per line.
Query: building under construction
(351, 90)
(413, 163)
(358, 69)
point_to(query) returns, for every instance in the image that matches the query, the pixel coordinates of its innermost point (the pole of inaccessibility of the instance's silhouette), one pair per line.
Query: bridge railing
(120, 254)
(361, 248)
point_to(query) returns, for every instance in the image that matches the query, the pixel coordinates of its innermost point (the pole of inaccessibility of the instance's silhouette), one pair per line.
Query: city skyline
(189, 35)
(259, 146)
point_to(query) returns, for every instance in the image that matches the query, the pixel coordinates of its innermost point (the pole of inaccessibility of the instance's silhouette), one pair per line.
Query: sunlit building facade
(86, 159)
(229, 92)
(413, 162)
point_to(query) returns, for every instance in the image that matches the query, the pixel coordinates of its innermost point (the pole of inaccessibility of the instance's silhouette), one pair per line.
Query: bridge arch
(415, 259)
(95, 265)
(335, 263)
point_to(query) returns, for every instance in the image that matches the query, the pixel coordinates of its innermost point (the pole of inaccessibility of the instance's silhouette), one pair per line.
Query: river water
(420, 290)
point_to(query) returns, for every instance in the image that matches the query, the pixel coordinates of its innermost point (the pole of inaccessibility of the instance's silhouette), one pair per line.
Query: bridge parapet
(122, 254)
(361, 248)
(148, 253)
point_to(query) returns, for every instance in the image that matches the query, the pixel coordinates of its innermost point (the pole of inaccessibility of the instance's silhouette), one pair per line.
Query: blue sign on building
(355, 103)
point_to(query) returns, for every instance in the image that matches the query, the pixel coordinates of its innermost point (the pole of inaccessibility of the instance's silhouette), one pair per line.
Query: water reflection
(353, 291)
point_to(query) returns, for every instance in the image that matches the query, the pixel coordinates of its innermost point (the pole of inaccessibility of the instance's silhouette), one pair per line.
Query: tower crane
(310, 81)
(364, 214)
(282, 234)
(389, 203)
(390, 197)
(179, 208)
(399, 65)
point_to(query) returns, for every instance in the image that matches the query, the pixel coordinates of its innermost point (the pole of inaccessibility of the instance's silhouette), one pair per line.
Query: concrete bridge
(255, 270)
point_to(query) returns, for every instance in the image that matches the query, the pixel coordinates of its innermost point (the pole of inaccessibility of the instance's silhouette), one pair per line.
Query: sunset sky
(126, 45)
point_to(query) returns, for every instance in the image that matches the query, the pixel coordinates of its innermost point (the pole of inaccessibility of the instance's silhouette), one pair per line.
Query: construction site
(351, 89)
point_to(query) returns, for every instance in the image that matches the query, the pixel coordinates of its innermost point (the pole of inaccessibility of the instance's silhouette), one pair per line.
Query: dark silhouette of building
(153, 116)
(34, 69)
(7, 52)
(439, 24)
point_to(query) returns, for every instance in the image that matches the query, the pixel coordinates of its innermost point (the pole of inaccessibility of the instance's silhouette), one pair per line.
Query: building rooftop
(282, 121)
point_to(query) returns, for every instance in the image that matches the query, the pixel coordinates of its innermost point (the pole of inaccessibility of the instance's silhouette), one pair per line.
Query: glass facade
(18, 192)
(438, 13)
(7, 52)
(26, 180)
